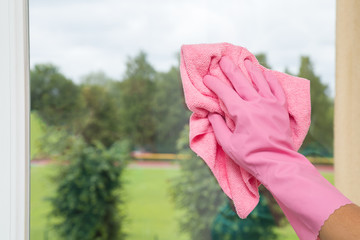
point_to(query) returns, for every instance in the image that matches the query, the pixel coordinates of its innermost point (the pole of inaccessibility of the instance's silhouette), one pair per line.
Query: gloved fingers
(225, 93)
(258, 79)
(242, 86)
(221, 130)
(275, 86)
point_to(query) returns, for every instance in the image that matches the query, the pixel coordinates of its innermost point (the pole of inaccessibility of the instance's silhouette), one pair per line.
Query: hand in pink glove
(261, 143)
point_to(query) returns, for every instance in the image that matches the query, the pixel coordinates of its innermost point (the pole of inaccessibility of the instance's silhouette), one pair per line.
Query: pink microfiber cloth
(203, 59)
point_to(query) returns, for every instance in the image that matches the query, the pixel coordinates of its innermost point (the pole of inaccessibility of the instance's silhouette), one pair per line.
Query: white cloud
(84, 36)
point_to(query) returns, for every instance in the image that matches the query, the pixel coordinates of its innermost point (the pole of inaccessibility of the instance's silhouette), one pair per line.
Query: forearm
(344, 223)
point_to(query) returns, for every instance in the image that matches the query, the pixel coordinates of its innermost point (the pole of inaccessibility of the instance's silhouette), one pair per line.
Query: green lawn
(40, 187)
(151, 214)
(149, 207)
(36, 131)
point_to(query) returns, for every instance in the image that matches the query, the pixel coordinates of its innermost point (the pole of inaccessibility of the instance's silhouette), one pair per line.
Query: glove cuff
(305, 196)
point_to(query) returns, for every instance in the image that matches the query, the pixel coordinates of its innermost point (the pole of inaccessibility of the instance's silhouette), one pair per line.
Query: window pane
(109, 124)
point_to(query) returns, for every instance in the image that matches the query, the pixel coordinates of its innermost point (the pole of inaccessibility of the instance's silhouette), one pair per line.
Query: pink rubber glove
(261, 143)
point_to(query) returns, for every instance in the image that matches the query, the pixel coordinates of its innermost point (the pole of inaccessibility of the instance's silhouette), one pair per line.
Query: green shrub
(258, 225)
(88, 193)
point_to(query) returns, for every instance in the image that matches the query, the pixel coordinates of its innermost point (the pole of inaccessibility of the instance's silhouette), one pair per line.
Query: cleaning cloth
(200, 60)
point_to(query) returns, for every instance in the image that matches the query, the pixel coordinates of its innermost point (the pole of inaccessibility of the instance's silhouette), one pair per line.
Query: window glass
(109, 124)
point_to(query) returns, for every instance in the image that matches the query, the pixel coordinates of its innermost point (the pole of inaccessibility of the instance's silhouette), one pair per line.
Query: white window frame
(14, 120)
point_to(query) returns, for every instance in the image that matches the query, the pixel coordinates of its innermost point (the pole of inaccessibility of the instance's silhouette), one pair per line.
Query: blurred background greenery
(146, 107)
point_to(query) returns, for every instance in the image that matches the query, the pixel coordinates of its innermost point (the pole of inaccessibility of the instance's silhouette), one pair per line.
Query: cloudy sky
(84, 36)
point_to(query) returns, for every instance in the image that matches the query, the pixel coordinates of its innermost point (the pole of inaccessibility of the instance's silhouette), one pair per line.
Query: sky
(86, 36)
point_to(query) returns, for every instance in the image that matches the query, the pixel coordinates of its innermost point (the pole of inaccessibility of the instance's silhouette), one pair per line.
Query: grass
(40, 187)
(37, 131)
(149, 207)
(151, 214)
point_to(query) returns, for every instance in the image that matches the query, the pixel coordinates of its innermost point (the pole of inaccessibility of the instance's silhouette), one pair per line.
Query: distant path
(133, 164)
(163, 164)
(41, 161)
(325, 168)
(153, 164)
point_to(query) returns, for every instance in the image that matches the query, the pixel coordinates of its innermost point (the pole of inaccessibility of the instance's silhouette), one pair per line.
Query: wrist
(305, 196)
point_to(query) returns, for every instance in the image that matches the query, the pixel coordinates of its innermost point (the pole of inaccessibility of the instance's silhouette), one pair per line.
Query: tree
(319, 140)
(137, 111)
(102, 122)
(56, 98)
(171, 113)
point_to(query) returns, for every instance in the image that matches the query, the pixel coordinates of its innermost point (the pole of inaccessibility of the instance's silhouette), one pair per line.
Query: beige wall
(347, 99)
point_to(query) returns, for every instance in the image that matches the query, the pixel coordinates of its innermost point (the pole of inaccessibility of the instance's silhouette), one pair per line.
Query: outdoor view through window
(110, 156)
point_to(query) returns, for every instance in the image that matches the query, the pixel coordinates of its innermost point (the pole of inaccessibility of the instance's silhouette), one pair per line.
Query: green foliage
(152, 107)
(171, 113)
(136, 96)
(148, 107)
(319, 140)
(87, 193)
(58, 143)
(197, 192)
(102, 122)
(56, 98)
(258, 225)
(90, 110)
